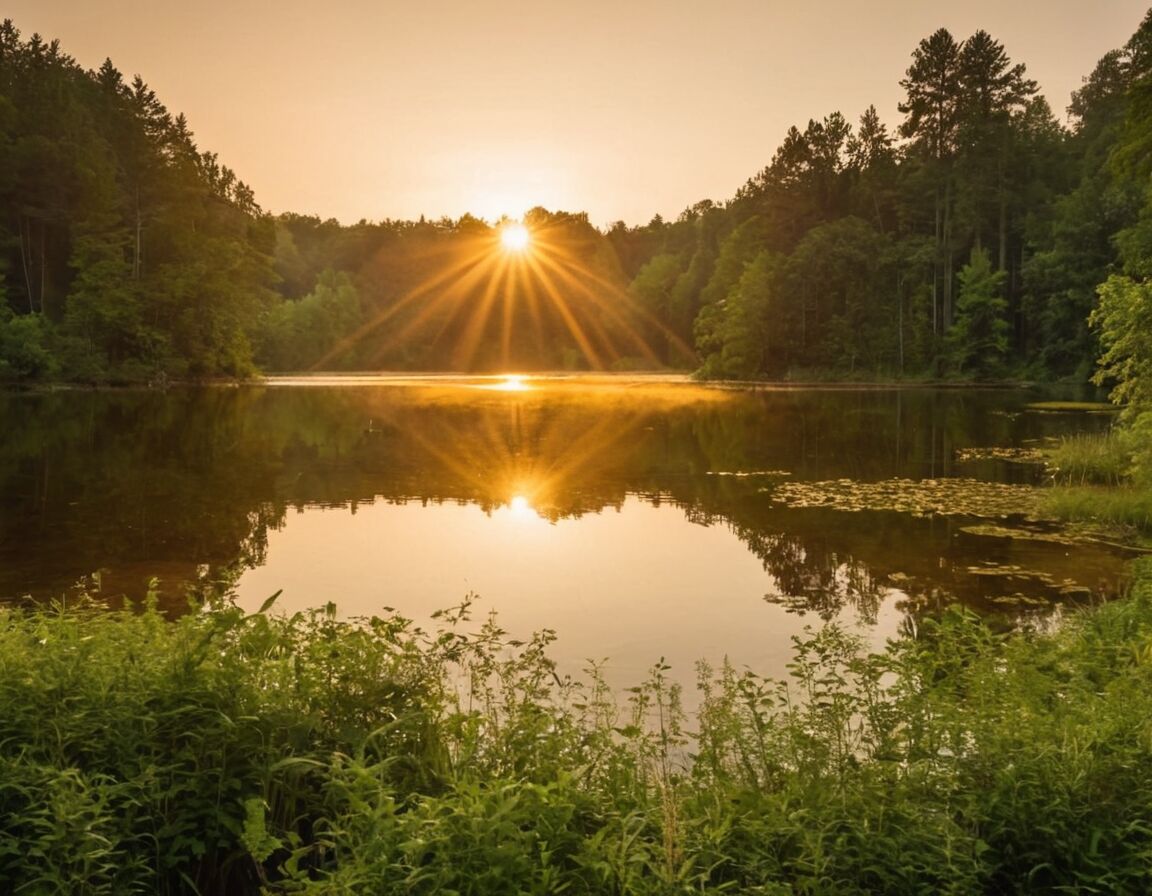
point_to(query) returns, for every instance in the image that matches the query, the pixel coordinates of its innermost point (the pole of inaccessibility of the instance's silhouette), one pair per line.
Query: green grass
(1094, 407)
(1127, 511)
(1101, 479)
(232, 753)
(1090, 459)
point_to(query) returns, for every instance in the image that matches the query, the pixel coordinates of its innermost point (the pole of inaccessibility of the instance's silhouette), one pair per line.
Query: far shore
(590, 378)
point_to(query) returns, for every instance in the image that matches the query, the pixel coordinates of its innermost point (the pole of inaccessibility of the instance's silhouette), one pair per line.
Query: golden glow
(519, 460)
(520, 279)
(515, 237)
(513, 382)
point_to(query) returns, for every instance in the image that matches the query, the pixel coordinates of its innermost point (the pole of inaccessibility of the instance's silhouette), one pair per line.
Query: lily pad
(1015, 455)
(1092, 407)
(1018, 534)
(921, 497)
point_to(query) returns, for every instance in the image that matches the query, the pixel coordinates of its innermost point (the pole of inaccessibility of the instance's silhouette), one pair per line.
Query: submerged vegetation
(224, 752)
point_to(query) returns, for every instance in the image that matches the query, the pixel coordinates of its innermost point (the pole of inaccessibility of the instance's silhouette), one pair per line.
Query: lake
(638, 518)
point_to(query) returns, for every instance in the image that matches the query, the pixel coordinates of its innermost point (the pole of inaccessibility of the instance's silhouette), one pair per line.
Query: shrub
(233, 753)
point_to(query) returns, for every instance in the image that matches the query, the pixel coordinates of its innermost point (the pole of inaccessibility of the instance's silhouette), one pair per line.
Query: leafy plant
(225, 752)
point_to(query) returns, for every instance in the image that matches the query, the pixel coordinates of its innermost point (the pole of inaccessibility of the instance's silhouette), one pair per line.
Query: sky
(375, 109)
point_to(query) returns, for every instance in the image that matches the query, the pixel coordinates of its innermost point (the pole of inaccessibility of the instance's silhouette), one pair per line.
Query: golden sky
(622, 108)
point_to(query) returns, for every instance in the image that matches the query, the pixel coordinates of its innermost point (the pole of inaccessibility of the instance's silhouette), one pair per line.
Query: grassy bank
(1104, 480)
(225, 753)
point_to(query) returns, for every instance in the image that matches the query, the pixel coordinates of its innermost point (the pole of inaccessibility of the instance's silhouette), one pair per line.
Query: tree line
(970, 242)
(126, 252)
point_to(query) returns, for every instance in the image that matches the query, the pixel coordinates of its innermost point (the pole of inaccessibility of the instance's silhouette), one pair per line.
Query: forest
(972, 241)
(208, 748)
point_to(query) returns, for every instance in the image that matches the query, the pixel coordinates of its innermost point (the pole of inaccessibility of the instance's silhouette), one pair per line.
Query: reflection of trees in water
(165, 482)
(254, 548)
(826, 560)
(809, 577)
(141, 484)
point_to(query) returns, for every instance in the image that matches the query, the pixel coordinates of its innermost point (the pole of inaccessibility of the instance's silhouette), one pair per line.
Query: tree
(24, 353)
(296, 335)
(741, 337)
(652, 290)
(980, 337)
(1124, 322)
(840, 308)
(932, 105)
(932, 110)
(872, 163)
(994, 92)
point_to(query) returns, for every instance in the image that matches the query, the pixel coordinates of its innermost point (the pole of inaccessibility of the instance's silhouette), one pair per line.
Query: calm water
(636, 518)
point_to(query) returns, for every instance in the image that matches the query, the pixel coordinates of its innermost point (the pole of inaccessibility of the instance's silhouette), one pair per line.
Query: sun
(515, 237)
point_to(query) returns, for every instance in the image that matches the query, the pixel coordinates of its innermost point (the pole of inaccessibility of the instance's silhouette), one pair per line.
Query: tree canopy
(967, 240)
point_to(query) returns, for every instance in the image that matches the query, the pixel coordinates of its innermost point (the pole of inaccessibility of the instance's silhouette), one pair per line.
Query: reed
(1091, 459)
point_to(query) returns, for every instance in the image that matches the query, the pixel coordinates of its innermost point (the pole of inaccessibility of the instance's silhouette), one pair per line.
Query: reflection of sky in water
(631, 585)
(203, 478)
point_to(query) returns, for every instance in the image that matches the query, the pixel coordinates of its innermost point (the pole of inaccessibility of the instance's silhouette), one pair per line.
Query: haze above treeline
(969, 243)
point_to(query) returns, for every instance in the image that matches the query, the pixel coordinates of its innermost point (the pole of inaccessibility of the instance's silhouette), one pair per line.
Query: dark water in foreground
(637, 518)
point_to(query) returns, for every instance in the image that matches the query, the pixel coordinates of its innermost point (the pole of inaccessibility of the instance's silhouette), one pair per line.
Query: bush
(131, 748)
(24, 353)
(225, 752)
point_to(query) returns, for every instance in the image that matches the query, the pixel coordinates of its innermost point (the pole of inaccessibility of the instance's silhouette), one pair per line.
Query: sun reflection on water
(512, 382)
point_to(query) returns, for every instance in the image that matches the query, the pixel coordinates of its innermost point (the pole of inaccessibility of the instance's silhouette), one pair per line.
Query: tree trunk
(43, 266)
(136, 254)
(936, 256)
(900, 324)
(1003, 255)
(947, 322)
(26, 261)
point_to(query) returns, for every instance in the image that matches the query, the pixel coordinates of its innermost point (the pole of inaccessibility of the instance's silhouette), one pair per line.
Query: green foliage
(735, 336)
(980, 335)
(842, 313)
(1124, 321)
(298, 335)
(137, 752)
(1091, 458)
(145, 255)
(654, 290)
(24, 347)
(1127, 511)
(828, 306)
(224, 752)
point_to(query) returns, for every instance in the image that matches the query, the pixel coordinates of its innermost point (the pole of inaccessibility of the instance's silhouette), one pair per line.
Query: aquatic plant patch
(1065, 407)
(1023, 455)
(920, 497)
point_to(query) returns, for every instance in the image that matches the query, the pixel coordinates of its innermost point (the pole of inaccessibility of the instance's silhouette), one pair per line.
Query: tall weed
(226, 752)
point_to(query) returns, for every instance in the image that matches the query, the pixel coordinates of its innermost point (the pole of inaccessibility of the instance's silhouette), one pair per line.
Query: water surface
(637, 518)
